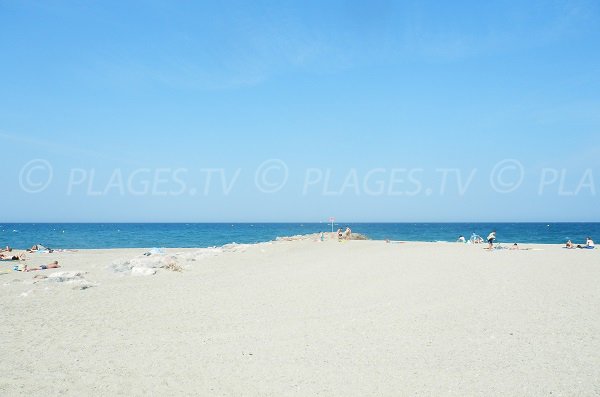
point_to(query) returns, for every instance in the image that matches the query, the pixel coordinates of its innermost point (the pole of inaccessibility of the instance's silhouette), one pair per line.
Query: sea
(181, 235)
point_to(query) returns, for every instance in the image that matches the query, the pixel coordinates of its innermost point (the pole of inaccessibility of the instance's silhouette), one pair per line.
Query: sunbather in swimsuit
(53, 265)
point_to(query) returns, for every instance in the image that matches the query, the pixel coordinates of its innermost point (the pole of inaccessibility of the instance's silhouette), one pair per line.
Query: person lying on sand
(53, 265)
(7, 249)
(20, 257)
(39, 247)
(589, 244)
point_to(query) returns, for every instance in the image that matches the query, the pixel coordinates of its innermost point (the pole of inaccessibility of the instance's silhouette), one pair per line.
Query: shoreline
(98, 236)
(306, 237)
(482, 245)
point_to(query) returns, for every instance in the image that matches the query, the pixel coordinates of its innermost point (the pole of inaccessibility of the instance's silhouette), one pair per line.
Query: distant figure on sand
(461, 239)
(20, 257)
(339, 234)
(347, 233)
(515, 246)
(322, 237)
(39, 247)
(475, 239)
(589, 244)
(569, 244)
(490, 239)
(53, 265)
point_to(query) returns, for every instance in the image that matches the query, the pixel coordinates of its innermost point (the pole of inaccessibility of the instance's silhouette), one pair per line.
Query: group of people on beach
(477, 239)
(345, 235)
(589, 244)
(491, 238)
(6, 254)
(341, 235)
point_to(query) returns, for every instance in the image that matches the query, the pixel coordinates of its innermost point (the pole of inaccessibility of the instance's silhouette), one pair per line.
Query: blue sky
(371, 110)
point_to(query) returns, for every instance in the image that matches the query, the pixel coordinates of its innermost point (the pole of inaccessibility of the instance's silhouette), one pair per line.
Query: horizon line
(287, 222)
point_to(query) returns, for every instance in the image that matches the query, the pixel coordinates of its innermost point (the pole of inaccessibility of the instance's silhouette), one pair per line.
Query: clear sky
(298, 111)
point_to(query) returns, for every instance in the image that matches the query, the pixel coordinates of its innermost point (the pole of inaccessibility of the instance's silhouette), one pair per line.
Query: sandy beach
(304, 318)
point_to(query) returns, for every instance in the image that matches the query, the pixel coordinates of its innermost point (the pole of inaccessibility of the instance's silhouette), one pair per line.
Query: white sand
(304, 318)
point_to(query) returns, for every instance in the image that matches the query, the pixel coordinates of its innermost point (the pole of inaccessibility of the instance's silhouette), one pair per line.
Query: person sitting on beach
(589, 243)
(490, 239)
(515, 246)
(475, 239)
(7, 249)
(340, 234)
(461, 239)
(569, 244)
(347, 233)
(53, 265)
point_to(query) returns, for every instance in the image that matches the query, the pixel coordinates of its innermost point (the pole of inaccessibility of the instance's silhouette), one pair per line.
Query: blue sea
(145, 235)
